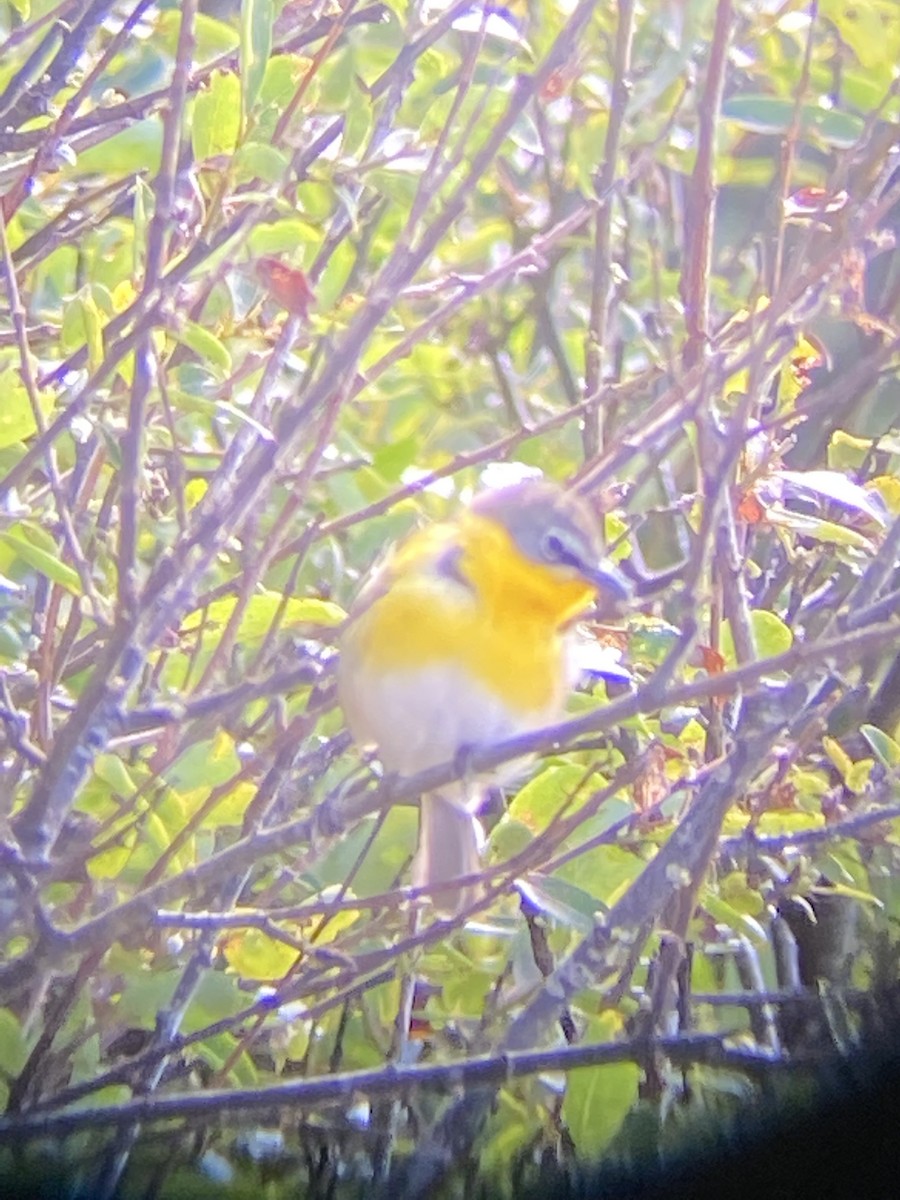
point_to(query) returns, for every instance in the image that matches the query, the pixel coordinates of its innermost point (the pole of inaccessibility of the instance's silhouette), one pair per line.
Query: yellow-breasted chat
(459, 640)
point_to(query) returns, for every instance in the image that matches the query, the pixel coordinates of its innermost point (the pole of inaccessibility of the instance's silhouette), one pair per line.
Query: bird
(461, 639)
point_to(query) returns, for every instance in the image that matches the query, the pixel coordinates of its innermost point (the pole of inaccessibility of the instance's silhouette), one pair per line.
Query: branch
(601, 272)
(212, 1104)
(338, 811)
(702, 194)
(679, 867)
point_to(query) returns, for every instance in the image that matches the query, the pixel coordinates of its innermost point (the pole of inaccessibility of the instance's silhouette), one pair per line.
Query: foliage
(283, 278)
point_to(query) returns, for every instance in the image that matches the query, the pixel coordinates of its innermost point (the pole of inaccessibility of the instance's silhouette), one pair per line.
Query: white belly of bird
(418, 719)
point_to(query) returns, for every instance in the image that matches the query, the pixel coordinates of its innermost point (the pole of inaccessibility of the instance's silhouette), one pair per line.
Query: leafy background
(281, 279)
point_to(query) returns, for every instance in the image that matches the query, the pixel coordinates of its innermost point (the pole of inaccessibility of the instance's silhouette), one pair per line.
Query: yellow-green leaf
(731, 918)
(109, 864)
(216, 123)
(17, 420)
(886, 749)
(111, 770)
(205, 345)
(849, 893)
(205, 765)
(19, 540)
(888, 488)
(599, 1098)
(557, 788)
(256, 46)
(770, 635)
(13, 1045)
(82, 325)
(255, 955)
(259, 613)
(838, 755)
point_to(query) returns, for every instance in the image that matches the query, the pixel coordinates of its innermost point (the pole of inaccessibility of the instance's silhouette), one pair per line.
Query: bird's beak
(609, 581)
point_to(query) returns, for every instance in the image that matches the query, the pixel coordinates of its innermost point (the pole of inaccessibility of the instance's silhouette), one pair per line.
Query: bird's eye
(555, 550)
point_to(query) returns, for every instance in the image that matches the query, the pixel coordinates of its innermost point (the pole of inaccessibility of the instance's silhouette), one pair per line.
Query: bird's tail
(450, 843)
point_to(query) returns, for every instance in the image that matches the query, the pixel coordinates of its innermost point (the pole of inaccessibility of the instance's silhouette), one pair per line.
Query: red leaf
(750, 509)
(287, 285)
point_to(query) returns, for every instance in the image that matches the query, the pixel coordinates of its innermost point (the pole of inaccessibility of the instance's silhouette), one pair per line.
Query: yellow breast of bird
(460, 642)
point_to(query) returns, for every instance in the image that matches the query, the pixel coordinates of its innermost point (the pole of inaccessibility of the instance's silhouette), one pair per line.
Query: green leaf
(144, 995)
(143, 206)
(392, 459)
(282, 236)
(83, 321)
(391, 849)
(509, 837)
(136, 149)
(828, 532)
(562, 902)
(871, 30)
(769, 114)
(255, 160)
(254, 954)
(13, 1046)
(604, 872)
(338, 78)
(835, 488)
(260, 611)
(847, 453)
(770, 635)
(886, 749)
(283, 73)
(888, 488)
(734, 889)
(213, 38)
(599, 1098)
(106, 1097)
(85, 1060)
(206, 764)
(110, 769)
(218, 996)
(216, 121)
(650, 640)
(513, 1129)
(739, 922)
(857, 778)
(205, 345)
(464, 987)
(849, 893)
(242, 417)
(781, 821)
(230, 807)
(334, 278)
(256, 46)
(357, 124)
(16, 417)
(550, 792)
(110, 863)
(838, 755)
(219, 1050)
(398, 184)
(22, 539)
